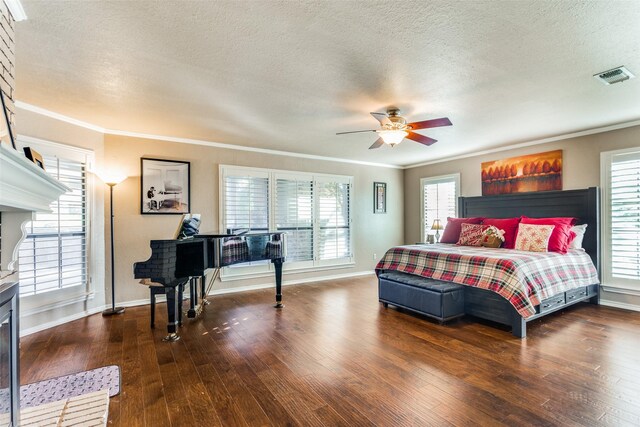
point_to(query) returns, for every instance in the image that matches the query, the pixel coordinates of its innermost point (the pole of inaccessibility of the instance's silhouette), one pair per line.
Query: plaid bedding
(522, 278)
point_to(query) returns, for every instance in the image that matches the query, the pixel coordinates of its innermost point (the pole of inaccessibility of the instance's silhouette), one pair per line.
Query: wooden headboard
(582, 204)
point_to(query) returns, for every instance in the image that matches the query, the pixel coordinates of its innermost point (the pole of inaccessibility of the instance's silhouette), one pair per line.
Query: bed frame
(581, 204)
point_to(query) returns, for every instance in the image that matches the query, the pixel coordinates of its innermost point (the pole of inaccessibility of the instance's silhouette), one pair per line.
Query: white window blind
(334, 222)
(54, 252)
(294, 215)
(246, 204)
(439, 201)
(313, 209)
(624, 224)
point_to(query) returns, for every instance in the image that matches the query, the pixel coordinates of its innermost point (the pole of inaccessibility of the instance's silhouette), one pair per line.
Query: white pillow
(576, 243)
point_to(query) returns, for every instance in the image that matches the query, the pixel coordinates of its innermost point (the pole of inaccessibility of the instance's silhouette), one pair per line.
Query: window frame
(56, 298)
(244, 271)
(606, 161)
(435, 180)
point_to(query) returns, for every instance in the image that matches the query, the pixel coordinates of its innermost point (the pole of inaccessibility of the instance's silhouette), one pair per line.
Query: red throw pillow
(451, 232)
(510, 227)
(471, 234)
(561, 236)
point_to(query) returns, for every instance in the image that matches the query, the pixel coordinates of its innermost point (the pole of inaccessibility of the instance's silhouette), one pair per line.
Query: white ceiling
(288, 75)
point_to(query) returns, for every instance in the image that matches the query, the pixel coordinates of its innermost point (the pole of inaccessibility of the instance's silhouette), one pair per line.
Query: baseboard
(83, 298)
(622, 305)
(161, 298)
(289, 283)
(57, 322)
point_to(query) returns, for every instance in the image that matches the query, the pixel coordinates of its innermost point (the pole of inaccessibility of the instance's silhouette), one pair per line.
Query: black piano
(174, 263)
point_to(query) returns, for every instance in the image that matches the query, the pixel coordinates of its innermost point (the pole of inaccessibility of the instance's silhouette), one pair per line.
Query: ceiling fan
(394, 128)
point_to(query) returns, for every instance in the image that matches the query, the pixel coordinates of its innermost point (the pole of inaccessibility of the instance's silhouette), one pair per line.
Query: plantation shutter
(294, 215)
(54, 252)
(334, 220)
(439, 201)
(625, 216)
(246, 205)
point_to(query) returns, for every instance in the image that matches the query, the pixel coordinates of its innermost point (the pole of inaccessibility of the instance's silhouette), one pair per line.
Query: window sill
(285, 272)
(621, 289)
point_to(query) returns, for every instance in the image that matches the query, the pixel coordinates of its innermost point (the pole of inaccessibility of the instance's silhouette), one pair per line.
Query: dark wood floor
(334, 356)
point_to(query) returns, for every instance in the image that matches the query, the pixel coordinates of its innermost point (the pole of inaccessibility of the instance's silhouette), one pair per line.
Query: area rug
(68, 386)
(86, 410)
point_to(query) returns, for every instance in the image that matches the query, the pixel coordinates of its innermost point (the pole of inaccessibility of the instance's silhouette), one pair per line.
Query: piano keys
(173, 263)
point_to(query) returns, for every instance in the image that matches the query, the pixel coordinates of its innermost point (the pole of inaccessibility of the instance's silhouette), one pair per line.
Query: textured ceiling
(289, 75)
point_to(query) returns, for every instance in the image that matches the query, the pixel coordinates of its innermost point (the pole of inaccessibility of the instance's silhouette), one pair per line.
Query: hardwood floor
(334, 356)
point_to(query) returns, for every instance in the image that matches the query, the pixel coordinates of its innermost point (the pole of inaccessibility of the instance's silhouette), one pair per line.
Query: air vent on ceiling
(615, 75)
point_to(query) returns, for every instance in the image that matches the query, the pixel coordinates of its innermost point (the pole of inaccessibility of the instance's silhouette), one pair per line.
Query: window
(334, 222)
(439, 200)
(247, 202)
(54, 252)
(313, 209)
(295, 215)
(621, 219)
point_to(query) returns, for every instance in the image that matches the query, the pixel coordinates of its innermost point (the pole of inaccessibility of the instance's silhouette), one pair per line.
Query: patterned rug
(68, 386)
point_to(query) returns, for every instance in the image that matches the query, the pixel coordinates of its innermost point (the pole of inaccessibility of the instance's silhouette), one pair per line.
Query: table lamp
(437, 226)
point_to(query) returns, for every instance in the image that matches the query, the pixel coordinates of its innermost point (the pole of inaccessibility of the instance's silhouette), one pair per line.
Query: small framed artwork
(379, 197)
(34, 156)
(165, 187)
(6, 134)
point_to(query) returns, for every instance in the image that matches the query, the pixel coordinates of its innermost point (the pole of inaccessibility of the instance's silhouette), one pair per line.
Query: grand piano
(174, 263)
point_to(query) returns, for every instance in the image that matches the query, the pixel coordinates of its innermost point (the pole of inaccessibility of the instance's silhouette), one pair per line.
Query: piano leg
(172, 293)
(180, 300)
(277, 263)
(203, 290)
(193, 300)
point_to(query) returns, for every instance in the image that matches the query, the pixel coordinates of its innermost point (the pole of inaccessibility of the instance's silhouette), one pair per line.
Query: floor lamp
(112, 181)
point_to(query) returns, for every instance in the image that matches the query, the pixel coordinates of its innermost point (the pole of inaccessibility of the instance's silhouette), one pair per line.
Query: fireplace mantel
(25, 187)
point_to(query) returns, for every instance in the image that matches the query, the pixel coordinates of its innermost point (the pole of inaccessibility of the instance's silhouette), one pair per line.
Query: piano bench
(158, 289)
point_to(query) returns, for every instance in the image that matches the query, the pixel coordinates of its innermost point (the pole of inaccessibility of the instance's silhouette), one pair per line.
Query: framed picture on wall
(379, 197)
(165, 187)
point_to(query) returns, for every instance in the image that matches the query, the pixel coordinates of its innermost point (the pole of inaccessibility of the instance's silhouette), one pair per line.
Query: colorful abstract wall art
(535, 172)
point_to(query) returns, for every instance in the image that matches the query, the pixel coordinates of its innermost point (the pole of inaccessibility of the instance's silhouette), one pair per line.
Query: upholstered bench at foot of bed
(440, 300)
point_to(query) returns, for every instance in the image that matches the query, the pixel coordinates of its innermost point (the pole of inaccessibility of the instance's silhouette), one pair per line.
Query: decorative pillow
(533, 238)
(510, 227)
(561, 236)
(579, 231)
(471, 234)
(451, 233)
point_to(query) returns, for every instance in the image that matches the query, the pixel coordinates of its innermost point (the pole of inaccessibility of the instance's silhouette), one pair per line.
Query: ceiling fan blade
(355, 131)
(421, 138)
(379, 143)
(382, 118)
(434, 123)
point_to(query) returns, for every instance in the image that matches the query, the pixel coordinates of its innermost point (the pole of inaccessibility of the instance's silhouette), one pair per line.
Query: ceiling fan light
(392, 137)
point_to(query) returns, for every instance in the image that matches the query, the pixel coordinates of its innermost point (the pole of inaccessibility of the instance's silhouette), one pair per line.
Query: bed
(576, 275)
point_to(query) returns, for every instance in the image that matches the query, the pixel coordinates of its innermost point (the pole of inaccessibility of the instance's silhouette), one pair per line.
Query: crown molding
(58, 116)
(16, 9)
(105, 131)
(466, 155)
(245, 148)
